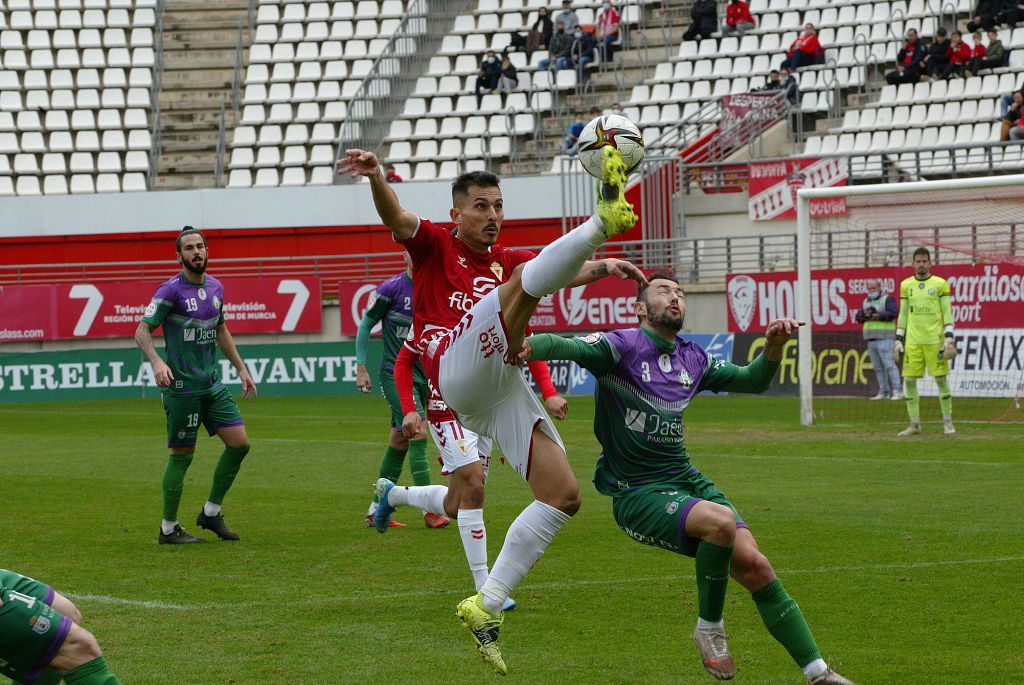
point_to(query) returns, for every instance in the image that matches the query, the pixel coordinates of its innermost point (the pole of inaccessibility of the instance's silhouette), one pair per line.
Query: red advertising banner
(604, 305)
(773, 186)
(113, 310)
(984, 296)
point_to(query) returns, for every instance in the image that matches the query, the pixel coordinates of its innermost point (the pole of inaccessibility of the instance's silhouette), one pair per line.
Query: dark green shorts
(387, 388)
(214, 410)
(32, 631)
(656, 514)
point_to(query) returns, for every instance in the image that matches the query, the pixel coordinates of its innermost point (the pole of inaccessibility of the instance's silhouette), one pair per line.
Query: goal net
(974, 231)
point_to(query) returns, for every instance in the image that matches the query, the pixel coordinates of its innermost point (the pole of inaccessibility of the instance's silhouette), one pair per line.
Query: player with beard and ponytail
(190, 307)
(646, 377)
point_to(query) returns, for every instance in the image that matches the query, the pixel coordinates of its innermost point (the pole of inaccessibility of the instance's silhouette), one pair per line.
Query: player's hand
(363, 381)
(358, 163)
(557, 406)
(163, 374)
(248, 385)
(523, 355)
(624, 270)
(781, 330)
(412, 424)
(897, 352)
(951, 350)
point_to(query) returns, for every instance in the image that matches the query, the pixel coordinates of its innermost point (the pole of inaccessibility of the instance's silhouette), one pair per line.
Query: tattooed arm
(597, 269)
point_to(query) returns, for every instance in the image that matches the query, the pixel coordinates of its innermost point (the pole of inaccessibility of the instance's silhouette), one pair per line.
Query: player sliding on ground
(646, 377)
(925, 328)
(467, 361)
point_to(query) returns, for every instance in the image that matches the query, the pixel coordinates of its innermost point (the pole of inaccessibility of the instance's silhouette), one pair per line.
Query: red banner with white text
(113, 310)
(773, 185)
(983, 296)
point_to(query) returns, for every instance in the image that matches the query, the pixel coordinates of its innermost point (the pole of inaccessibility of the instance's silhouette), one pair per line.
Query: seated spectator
(804, 51)
(1012, 118)
(985, 15)
(538, 37)
(703, 20)
(607, 31)
(558, 47)
(990, 57)
(581, 53)
(508, 80)
(908, 61)
(487, 77)
(1006, 101)
(570, 143)
(390, 175)
(959, 54)
(937, 58)
(568, 17)
(790, 85)
(1012, 15)
(774, 82)
(738, 18)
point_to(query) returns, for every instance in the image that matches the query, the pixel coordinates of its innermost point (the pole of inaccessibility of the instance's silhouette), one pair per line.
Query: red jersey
(450, 278)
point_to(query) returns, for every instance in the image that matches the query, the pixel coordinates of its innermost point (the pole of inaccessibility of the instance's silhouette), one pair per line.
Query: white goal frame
(803, 229)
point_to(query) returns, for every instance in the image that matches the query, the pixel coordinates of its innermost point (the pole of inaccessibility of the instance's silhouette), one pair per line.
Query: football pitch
(906, 555)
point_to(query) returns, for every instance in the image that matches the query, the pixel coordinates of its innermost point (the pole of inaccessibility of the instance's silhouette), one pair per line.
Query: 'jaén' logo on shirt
(636, 420)
(189, 335)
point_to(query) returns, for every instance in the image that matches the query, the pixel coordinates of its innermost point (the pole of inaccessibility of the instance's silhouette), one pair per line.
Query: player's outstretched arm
(227, 345)
(596, 269)
(593, 353)
(144, 339)
(402, 222)
(757, 376)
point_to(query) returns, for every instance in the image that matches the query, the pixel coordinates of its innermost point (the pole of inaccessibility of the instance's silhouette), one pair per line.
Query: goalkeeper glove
(948, 351)
(897, 351)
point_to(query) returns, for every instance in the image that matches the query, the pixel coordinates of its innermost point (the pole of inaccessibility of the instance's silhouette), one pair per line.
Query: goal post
(974, 228)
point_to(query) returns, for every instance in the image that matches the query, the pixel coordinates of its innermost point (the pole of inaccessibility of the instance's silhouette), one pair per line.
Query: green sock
(93, 672)
(418, 465)
(50, 676)
(913, 400)
(391, 465)
(945, 396)
(227, 468)
(712, 579)
(785, 621)
(174, 481)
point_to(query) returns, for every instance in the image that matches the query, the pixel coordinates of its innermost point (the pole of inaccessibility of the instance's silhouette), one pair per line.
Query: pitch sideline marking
(151, 604)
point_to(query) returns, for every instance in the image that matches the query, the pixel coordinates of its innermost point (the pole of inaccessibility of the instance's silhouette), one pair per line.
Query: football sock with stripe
(174, 481)
(786, 623)
(93, 672)
(913, 400)
(712, 579)
(474, 540)
(418, 465)
(224, 475)
(945, 396)
(559, 262)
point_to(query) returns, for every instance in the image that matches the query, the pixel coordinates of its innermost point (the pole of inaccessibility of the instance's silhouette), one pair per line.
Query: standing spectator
(568, 17)
(805, 50)
(487, 77)
(985, 15)
(508, 80)
(790, 85)
(558, 47)
(607, 30)
(391, 175)
(703, 20)
(738, 18)
(937, 57)
(908, 61)
(1012, 116)
(1012, 15)
(571, 142)
(538, 36)
(878, 314)
(990, 57)
(959, 54)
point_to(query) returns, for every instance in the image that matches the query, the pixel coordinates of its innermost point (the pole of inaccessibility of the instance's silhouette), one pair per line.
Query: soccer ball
(612, 130)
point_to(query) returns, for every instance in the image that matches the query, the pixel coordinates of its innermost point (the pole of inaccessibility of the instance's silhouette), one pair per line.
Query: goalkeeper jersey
(925, 308)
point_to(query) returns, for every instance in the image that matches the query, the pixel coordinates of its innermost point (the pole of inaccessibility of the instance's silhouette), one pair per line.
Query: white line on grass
(865, 460)
(149, 604)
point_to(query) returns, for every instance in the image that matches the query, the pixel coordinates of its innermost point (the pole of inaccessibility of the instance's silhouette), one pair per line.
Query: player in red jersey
(473, 301)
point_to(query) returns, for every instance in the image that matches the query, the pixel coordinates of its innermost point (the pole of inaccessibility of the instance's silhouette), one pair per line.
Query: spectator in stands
(985, 15)
(959, 54)
(1012, 116)
(570, 144)
(990, 57)
(937, 58)
(568, 17)
(1012, 15)
(908, 61)
(508, 81)
(805, 50)
(581, 53)
(607, 31)
(559, 46)
(487, 77)
(1017, 127)
(790, 85)
(774, 81)
(1006, 101)
(703, 20)
(616, 108)
(391, 175)
(738, 18)
(539, 35)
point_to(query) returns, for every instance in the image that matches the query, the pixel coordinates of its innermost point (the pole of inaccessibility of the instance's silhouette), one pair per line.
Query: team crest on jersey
(685, 378)
(202, 293)
(151, 309)
(921, 286)
(671, 507)
(497, 270)
(592, 339)
(462, 445)
(665, 363)
(40, 624)
(931, 291)
(216, 302)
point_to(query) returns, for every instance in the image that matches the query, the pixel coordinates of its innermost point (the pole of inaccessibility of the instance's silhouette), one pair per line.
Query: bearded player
(924, 332)
(470, 359)
(646, 377)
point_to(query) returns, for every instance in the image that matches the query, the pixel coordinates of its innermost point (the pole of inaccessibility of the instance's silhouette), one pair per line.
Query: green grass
(905, 555)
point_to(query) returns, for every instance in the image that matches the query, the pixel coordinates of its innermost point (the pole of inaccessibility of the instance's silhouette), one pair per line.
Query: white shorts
(490, 397)
(458, 446)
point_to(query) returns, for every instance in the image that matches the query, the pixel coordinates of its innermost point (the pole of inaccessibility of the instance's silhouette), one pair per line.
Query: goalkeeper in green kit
(924, 335)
